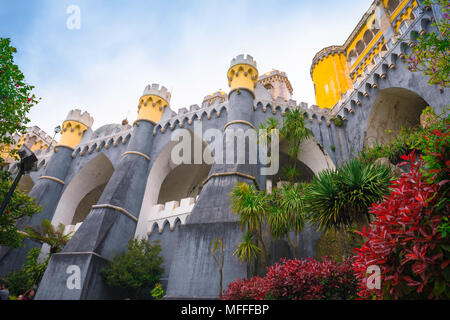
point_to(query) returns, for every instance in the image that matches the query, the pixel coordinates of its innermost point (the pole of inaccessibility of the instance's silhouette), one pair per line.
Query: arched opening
(83, 191)
(311, 160)
(191, 177)
(360, 47)
(368, 36)
(168, 181)
(392, 5)
(393, 109)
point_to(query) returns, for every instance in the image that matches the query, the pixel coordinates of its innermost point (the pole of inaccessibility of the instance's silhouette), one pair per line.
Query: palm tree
(338, 198)
(47, 233)
(294, 132)
(251, 206)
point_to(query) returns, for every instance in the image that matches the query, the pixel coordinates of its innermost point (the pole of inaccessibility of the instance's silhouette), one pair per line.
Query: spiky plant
(47, 233)
(338, 198)
(247, 250)
(251, 207)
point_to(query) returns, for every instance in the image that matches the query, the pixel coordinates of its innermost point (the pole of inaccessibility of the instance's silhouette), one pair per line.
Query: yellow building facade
(337, 69)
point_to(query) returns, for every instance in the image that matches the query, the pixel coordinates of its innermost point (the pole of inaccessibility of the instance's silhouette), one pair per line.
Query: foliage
(287, 212)
(248, 249)
(340, 197)
(338, 121)
(430, 52)
(136, 269)
(405, 242)
(47, 233)
(406, 140)
(158, 292)
(294, 131)
(251, 206)
(246, 289)
(16, 98)
(20, 206)
(29, 275)
(306, 279)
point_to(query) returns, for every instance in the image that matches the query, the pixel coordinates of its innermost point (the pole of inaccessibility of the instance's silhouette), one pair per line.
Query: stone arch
(311, 160)
(171, 182)
(83, 191)
(392, 109)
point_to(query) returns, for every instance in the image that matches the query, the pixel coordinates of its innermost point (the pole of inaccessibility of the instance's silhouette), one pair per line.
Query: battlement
(170, 212)
(157, 90)
(40, 134)
(242, 59)
(84, 118)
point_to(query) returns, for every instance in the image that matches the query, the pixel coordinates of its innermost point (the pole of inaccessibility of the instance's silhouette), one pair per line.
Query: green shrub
(28, 276)
(137, 269)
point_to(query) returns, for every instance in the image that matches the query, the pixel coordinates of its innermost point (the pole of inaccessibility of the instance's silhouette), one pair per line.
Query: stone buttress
(194, 273)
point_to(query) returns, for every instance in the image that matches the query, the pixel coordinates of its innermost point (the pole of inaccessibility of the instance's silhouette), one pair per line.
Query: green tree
(287, 213)
(136, 269)
(16, 98)
(19, 207)
(295, 133)
(48, 234)
(431, 51)
(251, 206)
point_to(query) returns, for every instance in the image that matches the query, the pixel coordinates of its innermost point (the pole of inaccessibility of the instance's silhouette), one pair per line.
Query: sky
(122, 46)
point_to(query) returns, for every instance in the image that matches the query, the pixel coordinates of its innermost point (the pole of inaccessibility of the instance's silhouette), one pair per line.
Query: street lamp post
(27, 163)
(57, 130)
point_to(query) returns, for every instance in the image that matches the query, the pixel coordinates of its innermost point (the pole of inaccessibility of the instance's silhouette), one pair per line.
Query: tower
(48, 188)
(152, 103)
(193, 273)
(112, 222)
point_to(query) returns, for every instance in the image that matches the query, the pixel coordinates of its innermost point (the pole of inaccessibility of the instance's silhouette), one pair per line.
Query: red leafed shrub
(405, 243)
(298, 279)
(246, 289)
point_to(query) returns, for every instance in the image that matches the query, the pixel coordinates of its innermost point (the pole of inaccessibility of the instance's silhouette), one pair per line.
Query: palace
(118, 181)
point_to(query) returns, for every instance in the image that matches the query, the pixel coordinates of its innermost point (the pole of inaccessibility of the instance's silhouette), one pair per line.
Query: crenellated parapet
(242, 73)
(170, 212)
(152, 103)
(74, 127)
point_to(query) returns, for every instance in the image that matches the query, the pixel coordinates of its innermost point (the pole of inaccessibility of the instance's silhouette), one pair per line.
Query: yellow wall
(151, 107)
(71, 134)
(331, 80)
(242, 76)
